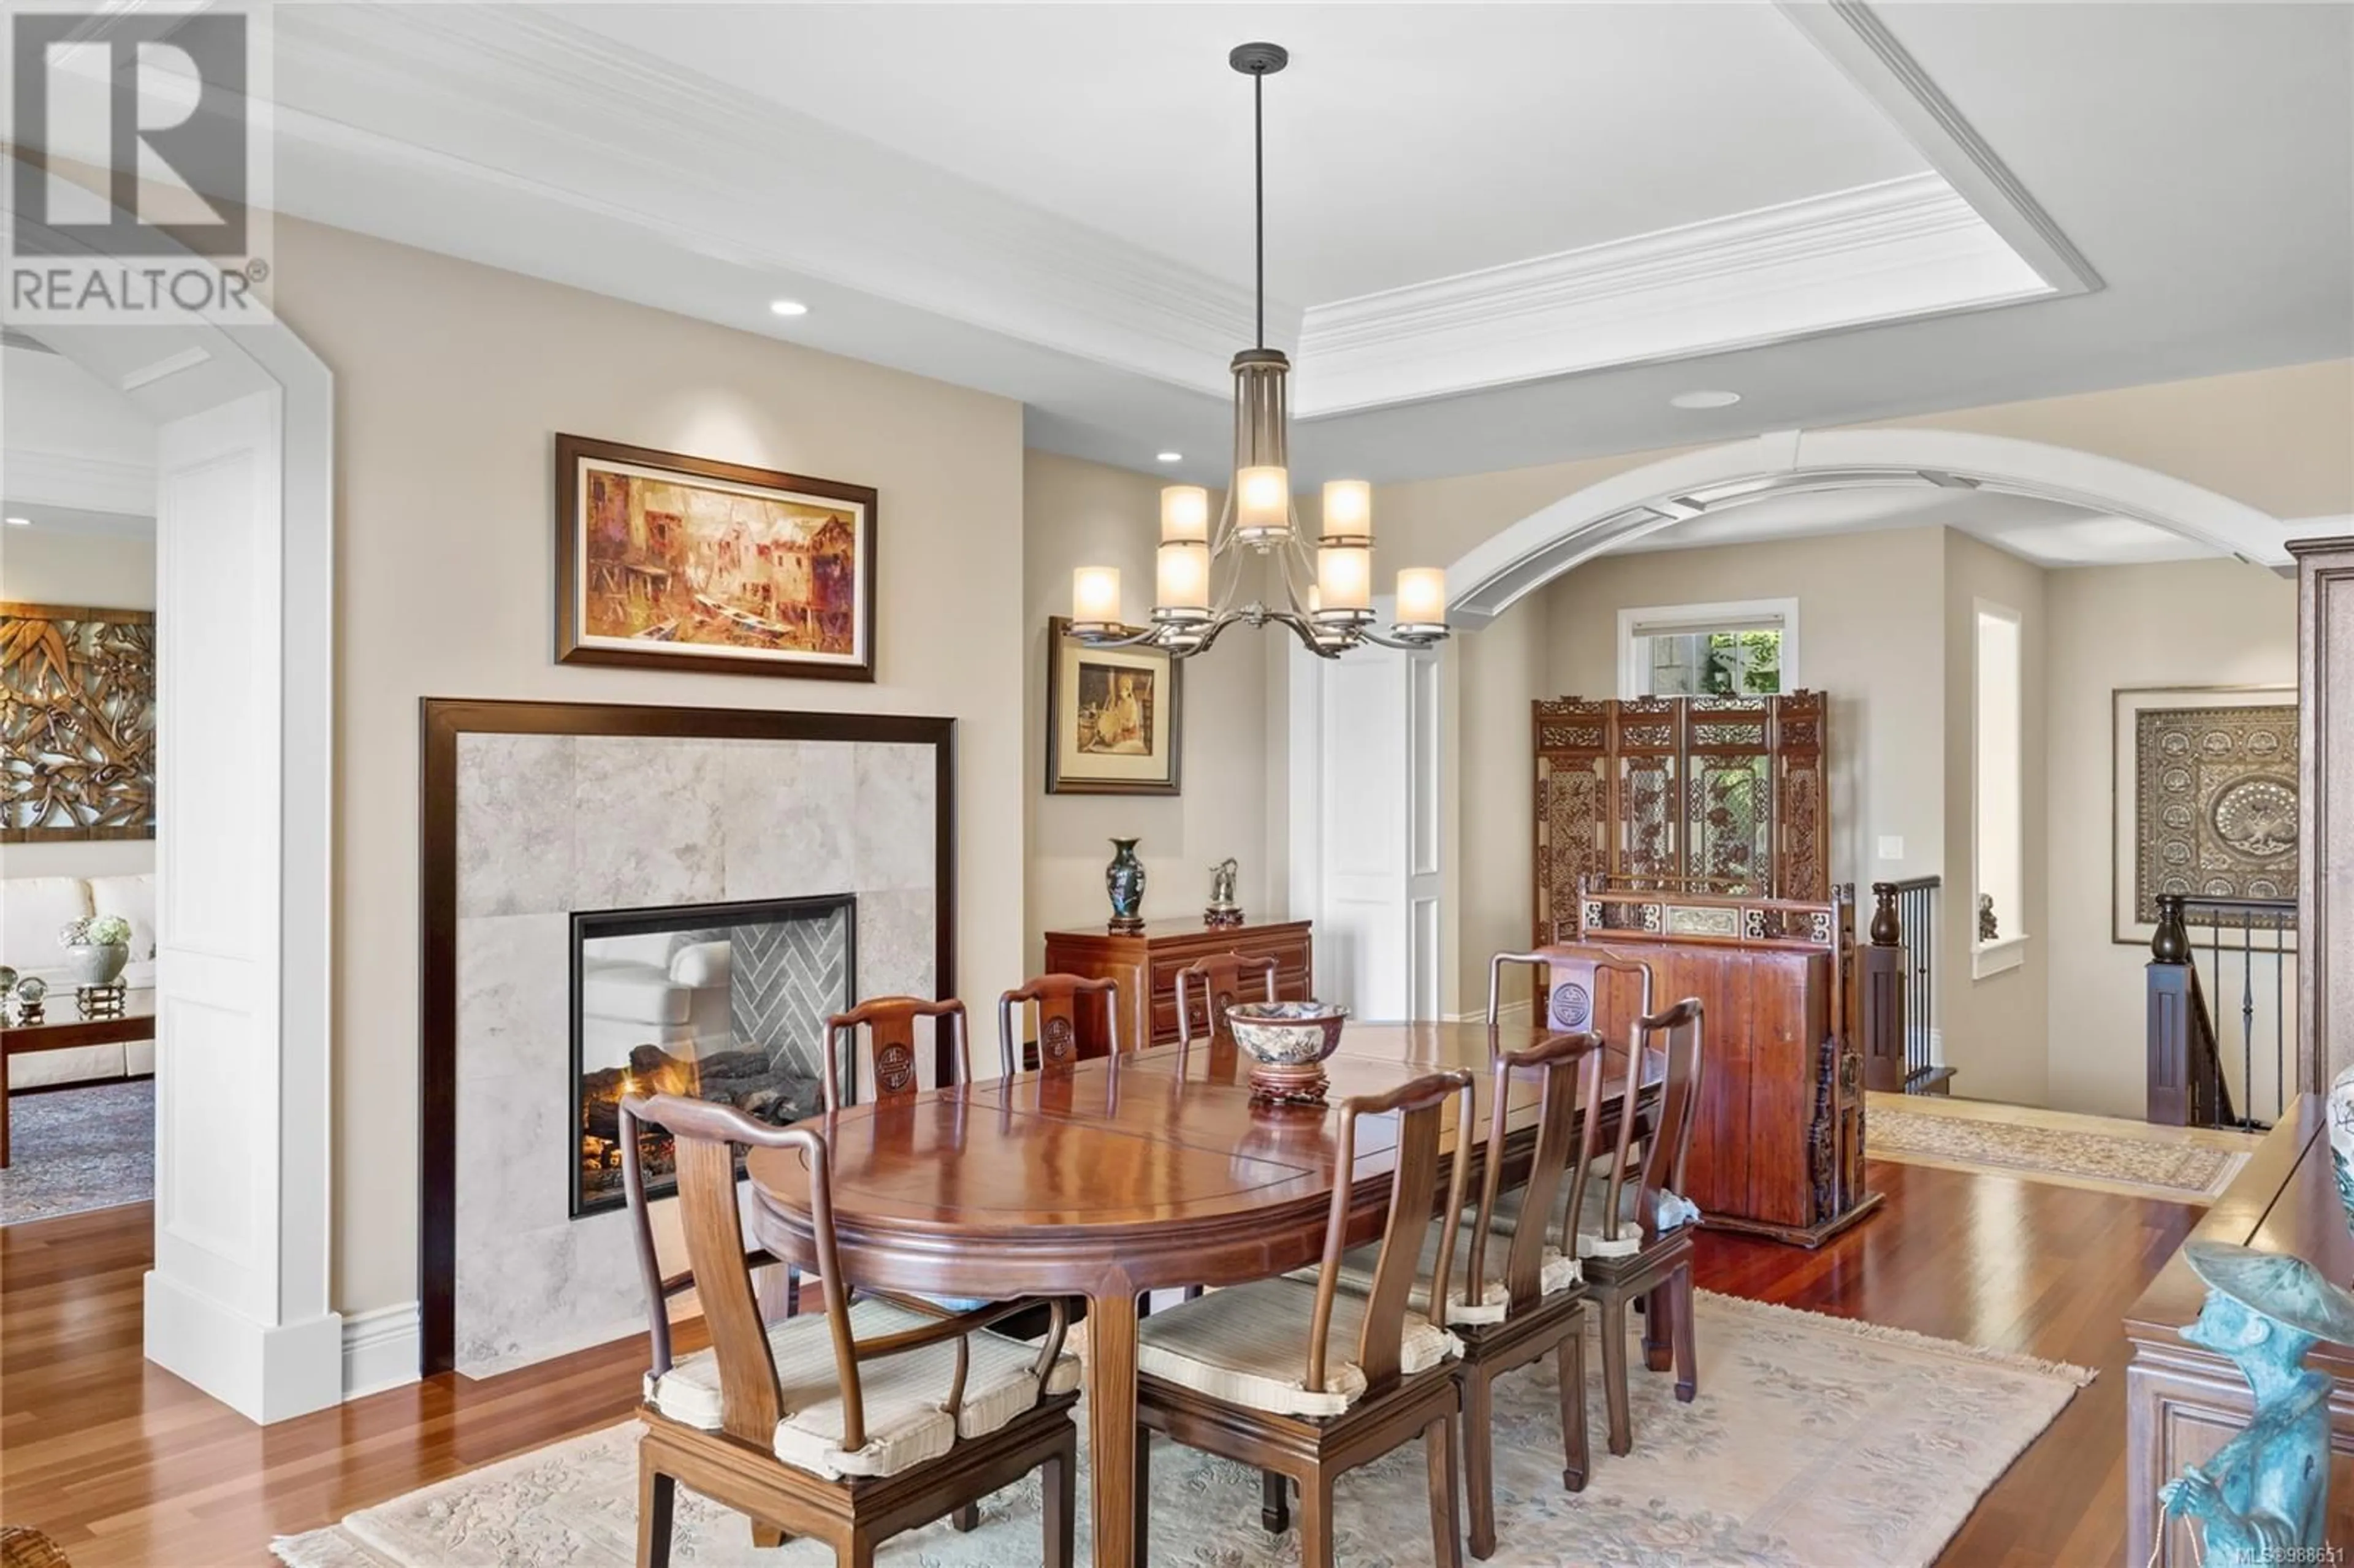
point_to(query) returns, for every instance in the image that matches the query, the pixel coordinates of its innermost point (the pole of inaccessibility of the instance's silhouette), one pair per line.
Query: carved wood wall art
(1722, 795)
(77, 724)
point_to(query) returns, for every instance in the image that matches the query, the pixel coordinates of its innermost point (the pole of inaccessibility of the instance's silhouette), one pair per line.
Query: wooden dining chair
(883, 1032)
(1309, 1381)
(1220, 978)
(784, 1422)
(1518, 1296)
(1054, 1000)
(1568, 981)
(1634, 1232)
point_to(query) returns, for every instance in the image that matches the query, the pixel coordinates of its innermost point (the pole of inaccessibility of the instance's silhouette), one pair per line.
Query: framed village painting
(673, 562)
(1114, 718)
(2205, 793)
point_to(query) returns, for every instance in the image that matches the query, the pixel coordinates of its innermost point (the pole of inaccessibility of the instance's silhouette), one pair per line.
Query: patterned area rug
(1815, 1443)
(73, 1149)
(2187, 1173)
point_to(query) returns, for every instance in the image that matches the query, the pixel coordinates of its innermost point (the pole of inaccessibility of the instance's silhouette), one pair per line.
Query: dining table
(1112, 1178)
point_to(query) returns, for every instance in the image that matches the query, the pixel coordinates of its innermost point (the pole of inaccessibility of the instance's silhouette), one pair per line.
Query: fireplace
(725, 1002)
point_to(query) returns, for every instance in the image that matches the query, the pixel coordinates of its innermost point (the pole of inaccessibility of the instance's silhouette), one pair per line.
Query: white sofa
(32, 911)
(660, 989)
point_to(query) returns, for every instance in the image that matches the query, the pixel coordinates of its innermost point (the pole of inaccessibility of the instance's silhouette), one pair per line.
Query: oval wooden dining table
(1111, 1178)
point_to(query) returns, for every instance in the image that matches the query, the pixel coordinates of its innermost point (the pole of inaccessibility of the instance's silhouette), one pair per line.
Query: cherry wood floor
(125, 1464)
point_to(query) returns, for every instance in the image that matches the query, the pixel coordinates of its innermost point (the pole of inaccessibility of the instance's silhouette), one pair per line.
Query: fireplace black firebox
(725, 1002)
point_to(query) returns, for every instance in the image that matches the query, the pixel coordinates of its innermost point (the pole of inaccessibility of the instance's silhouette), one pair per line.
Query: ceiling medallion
(1326, 598)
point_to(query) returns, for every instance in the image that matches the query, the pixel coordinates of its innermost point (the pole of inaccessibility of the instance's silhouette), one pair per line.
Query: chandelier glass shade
(1324, 595)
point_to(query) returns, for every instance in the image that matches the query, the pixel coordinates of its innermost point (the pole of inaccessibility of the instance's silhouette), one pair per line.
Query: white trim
(1630, 671)
(83, 483)
(1987, 959)
(1860, 46)
(382, 1349)
(1900, 248)
(1487, 578)
(264, 1372)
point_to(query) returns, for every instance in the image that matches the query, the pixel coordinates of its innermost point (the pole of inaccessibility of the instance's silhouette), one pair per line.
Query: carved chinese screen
(77, 724)
(1697, 794)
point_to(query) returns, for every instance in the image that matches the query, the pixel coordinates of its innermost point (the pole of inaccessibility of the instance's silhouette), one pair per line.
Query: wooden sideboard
(1146, 963)
(2183, 1402)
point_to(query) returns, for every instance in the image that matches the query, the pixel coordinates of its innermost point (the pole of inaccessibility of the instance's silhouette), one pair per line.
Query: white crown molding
(83, 483)
(1882, 252)
(1868, 55)
(383, 1349)
(526, 103)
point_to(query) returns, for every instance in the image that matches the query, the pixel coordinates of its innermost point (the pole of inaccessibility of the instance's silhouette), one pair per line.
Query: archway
(238, 1300)
(1587, 522)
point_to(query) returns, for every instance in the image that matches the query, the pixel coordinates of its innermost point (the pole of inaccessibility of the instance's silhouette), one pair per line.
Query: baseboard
(382, 1349)
(265, 1372)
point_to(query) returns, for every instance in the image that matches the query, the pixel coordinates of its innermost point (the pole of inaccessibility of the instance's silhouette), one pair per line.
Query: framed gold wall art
(2205, 799)
(77, 724)
(664, 561)
(1114, 718)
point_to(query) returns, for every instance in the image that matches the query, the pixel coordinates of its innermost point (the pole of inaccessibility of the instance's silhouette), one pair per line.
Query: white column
(236, 1302)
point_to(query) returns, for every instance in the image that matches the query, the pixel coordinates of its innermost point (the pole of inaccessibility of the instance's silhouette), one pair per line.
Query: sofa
(663, 988)
(32, 910)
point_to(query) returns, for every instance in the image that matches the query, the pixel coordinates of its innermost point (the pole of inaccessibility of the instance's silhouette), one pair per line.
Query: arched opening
(238, 1300)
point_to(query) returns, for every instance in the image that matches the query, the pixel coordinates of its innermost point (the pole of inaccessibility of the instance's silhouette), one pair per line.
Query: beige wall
(451, 380)
(43, 566)
(2183, 623)
(1995, 1028)
(1076, 514)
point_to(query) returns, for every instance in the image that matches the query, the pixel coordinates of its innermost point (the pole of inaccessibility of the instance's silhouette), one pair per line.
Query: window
(1748, 649)
(1999, 880)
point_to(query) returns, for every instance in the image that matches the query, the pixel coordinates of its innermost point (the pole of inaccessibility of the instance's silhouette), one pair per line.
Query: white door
(1367, 860)
(225, 1307)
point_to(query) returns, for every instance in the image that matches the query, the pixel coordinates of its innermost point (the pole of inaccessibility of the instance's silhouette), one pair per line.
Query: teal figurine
(1124, 881)
(2264, 1497)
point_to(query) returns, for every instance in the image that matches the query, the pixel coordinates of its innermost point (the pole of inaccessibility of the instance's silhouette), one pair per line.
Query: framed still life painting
(1113, 718)
(670, 562)
(2205, 799)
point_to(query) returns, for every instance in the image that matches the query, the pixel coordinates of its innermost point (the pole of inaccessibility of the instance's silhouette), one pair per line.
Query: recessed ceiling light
(788, 307)
(20, 522)
(1172, 457)
(1704, 399)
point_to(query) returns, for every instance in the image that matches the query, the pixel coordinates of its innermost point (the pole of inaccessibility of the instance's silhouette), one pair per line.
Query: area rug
(2085, 1152)
(71, 1150)
(1815, 1443)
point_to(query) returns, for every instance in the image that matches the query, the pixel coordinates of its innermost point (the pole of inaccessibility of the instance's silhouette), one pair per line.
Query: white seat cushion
(905, 1397)
(1249, 1345)
(32, 911)
(78, 1064)
(134, 898)
(1557, 1274)
(1675, 1211)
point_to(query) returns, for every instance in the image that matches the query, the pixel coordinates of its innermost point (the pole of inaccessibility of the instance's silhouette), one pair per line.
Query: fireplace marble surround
(543, 810)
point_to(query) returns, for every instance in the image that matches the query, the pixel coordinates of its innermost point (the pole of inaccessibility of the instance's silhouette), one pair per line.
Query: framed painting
(669, 562)
(1114, 718)
(77, 724)
(2204, 798)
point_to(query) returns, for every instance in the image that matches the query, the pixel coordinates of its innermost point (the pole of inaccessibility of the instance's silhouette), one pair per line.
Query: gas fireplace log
(746, 1079)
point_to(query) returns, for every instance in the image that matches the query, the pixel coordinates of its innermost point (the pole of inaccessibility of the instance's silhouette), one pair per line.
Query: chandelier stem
(1258, 193)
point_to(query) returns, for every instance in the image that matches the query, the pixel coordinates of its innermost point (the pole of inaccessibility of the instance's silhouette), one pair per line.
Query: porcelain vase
(1124, 882)
(2340, 1110)
(95, 963)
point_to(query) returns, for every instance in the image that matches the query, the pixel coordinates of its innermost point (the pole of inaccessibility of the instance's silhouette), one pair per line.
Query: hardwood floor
(125, 1464)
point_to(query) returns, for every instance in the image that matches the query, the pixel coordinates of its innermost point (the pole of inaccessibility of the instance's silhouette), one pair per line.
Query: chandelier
(1326, 596)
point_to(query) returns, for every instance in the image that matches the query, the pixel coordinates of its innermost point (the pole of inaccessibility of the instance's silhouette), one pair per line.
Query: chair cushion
(1674, 1212)
(74, 1065)
(905, 1397)
(1557, 1275)
(1249, 1345)
(639, 993)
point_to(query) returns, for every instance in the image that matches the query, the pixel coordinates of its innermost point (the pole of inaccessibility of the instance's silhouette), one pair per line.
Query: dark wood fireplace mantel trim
(442, 720)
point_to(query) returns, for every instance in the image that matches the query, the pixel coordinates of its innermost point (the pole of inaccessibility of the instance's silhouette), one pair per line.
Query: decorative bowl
(1289, 1041)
